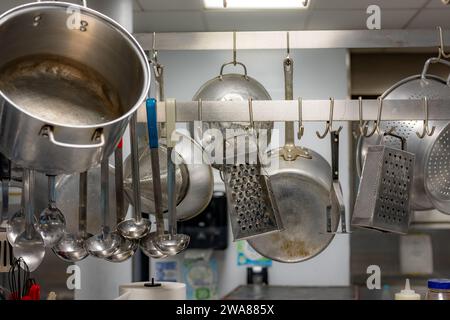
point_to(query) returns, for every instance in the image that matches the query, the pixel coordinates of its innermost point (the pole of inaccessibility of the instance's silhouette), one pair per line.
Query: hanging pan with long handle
(301, 180)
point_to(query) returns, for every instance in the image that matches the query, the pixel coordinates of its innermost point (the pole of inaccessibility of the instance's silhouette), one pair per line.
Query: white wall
(319, 74)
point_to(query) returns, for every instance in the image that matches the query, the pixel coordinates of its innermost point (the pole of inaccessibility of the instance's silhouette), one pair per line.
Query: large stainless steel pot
(417, 87)
(67, 89)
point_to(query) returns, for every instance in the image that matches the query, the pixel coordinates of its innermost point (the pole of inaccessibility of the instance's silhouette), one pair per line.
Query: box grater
(251, 205)
(383, 199)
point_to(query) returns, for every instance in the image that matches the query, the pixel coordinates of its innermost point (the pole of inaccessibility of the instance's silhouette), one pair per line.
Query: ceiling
(189, 15)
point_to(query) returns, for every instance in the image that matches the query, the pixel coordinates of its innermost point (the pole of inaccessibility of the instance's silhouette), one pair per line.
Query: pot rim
(12, 13)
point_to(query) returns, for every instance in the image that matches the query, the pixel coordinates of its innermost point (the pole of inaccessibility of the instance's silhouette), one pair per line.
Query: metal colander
(383, 199)
(423, 197)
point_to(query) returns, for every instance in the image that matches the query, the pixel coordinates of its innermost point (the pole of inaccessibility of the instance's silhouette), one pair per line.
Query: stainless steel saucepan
(65, 86)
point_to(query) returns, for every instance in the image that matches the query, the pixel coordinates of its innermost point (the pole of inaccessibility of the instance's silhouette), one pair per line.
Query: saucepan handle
(84, 2)
(47, 131)
(152, 123)
(234, 64)
(434, 60)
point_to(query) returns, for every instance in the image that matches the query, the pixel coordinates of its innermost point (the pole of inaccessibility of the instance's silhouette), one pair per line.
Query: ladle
(71, 247)
(17, 221)
(51, 223)
(171, 243)
(127, 247)
(29, 245)
(137, 227)
(148, 244)
(106, 243)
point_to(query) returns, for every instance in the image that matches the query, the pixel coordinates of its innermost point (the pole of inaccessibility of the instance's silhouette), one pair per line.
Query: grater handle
(402, 139)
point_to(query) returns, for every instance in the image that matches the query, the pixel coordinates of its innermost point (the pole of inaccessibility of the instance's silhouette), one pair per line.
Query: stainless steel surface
(194, 176)
(319, 39)
(80, 136)
(384, 194)
(127, 247)
(136, 227)
(313, 110)
(424, 86)
(51, 224)
(106, 243)
(29, 245)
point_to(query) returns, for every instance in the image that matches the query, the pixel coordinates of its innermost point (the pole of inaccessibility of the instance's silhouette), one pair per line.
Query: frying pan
(301, 180)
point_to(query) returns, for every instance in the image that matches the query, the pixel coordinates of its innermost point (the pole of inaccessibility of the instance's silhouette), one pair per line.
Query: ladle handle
(431, 61)
(51, 190)
(104, 194)
(82, 207)
(135, 169)
(152, 127)
(28, 187)
(118, 173)
(171, 179)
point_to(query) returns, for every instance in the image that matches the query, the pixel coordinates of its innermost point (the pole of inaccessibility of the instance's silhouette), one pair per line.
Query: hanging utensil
(18, 277)
(148, 244)
(384, 193)
(336, 196)
(79, 103)
(106, 243)
(127, 247)
(173, 242)
(301, 181)
(29, 245)
(430, 185)
(6, 252)
(253, 211)
(137, 227)
(72, 248)
(51, 223)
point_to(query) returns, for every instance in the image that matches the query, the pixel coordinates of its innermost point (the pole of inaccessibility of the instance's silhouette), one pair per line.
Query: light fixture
(256, 4)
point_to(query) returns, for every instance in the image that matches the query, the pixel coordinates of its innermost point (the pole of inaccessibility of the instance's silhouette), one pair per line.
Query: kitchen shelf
(312, 110)
(311, 39)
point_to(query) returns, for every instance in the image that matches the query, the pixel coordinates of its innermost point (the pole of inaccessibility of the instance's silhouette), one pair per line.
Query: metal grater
(251, 205)
(383, 199)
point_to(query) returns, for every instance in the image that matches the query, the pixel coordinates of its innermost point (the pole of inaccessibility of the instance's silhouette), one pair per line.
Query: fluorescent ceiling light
(256, 4)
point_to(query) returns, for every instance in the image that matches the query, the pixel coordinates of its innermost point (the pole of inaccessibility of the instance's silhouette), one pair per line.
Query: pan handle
(434, 60)
(47, 131)
(234, 64)
(84, 2)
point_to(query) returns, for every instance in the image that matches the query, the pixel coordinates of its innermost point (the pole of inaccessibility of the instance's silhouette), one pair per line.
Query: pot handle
(47, 131)
(434, 60)
(84, 2)
(234, 63)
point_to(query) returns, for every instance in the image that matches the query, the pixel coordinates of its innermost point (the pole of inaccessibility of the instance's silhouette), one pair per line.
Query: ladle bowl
(172, 244)
(51, 226)
(30, 246)
(133, 229)
(149, 247)
(16, 226)
(103, 245)
(71, 248)
(125, 251)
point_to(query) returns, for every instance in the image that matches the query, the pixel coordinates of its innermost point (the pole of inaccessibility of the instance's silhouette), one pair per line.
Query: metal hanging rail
(317, 39)
(312, 110)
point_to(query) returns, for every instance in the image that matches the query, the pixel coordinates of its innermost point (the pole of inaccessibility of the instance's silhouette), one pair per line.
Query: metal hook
(329, 125)
(376, 127)
(426, 129)
(441, 46)
(200, 120)
(362, 123)
(301, 128)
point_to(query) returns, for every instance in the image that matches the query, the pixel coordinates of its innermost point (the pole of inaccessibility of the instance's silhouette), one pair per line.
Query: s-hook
(426, 128)
(329, 125)
(301, 127)
(376, 126)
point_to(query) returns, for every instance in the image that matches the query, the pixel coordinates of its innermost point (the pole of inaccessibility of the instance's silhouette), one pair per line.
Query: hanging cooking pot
(301, 180)
(430, 151)
(66, 93)
(194, 178)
